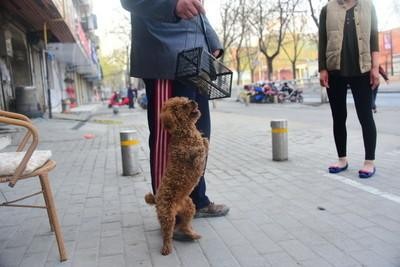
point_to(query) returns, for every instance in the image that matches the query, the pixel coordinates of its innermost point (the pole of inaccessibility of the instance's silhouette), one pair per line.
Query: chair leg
(44, 180)
(46, 200)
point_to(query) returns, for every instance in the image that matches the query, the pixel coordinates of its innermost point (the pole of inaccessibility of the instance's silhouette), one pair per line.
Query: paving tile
(116, 260)
(281, 259)
(334, 256)
(368, 258)
(297, 250)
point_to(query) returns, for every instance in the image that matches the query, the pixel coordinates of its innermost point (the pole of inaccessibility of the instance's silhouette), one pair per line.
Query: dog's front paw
(166, 250)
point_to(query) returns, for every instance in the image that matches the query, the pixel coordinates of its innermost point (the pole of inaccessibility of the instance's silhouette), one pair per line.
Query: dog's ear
(167, 120)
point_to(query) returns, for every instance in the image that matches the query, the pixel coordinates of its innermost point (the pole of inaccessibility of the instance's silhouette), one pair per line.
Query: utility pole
(128, 80)
(47, 70)
(391, 52)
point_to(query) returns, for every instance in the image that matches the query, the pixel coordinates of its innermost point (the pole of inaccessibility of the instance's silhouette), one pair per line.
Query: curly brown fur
(186, 162)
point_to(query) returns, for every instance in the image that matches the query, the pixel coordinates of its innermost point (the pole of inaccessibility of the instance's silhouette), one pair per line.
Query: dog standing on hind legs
(187, 153)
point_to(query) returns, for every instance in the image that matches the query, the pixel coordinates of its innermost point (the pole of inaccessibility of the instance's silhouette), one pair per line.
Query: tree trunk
(270, 67)
(239, 78)
(238, 70)
(294, 70)
(252, 75)
(313, 15)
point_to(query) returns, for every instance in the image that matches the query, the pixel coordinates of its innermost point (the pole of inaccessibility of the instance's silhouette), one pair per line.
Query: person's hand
(187, 9)
(324, 78)
(216, 53)
(374, 78)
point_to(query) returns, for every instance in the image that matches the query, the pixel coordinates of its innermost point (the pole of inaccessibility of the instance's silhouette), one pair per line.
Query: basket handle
(203, 27)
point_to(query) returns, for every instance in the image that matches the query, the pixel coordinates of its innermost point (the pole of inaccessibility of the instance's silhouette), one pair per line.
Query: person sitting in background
(259, 94)
(286, 88)
(244, 95)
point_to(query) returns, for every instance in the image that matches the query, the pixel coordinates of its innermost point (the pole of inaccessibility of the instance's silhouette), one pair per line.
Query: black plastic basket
(200, 69)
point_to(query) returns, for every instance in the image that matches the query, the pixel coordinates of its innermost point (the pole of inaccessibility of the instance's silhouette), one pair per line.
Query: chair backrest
(10, 118)
(4, 141)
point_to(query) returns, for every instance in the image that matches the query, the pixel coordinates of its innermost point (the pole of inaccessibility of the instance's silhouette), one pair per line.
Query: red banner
(82, 38)
(387, 40)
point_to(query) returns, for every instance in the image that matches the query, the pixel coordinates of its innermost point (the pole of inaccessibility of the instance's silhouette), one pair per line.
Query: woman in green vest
(348, 58)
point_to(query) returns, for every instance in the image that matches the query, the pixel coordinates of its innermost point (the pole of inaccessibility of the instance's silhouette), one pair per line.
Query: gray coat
(158, 35)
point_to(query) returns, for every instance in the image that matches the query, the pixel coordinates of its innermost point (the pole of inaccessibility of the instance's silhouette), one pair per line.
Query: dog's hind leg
(167, 222)
(186, 214)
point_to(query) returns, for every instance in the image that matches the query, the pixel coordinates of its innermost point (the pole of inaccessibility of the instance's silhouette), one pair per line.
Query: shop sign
(83, 39)
(387, 40)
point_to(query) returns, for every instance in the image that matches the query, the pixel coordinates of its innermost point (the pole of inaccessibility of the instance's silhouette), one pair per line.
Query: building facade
(389, 51)
(47, 48)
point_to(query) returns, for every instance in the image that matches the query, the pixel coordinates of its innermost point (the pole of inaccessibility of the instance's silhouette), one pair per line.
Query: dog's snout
(192, 102)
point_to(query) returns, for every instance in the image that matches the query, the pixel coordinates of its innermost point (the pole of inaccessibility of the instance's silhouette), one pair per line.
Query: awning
(37, 13)
(70, 53)
(73, 54)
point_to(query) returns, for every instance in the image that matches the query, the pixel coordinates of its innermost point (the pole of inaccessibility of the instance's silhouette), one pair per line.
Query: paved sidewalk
(282, 213)
(79, 113)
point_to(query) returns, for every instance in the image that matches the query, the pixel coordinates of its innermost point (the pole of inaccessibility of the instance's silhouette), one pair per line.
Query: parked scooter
(117, 100)
(296, 96)
(290, 95)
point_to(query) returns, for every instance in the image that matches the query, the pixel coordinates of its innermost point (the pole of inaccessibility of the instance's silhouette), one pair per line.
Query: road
(312, 112)
(384, 99)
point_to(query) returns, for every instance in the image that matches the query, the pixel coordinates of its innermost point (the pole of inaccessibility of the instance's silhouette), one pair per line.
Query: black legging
(374, 93)
(361, 90)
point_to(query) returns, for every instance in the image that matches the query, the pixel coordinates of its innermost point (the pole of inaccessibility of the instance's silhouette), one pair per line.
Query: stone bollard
(129, 150)
(279, 140)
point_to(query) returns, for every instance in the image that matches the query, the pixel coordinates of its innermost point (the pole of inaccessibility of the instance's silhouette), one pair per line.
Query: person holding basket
(160, 30)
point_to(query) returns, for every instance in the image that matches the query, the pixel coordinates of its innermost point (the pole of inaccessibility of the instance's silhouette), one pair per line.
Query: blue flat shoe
(335, 169)
(365, 175)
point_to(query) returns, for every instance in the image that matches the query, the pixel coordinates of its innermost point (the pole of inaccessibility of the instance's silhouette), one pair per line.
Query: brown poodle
(187, 154)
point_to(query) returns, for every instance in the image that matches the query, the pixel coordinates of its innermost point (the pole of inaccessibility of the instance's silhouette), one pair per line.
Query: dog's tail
(150, 199)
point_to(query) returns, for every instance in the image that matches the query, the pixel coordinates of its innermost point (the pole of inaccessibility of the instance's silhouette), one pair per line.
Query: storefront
(15, 61)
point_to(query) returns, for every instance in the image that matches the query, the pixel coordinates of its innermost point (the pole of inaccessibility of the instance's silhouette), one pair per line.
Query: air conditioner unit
(89, 23)
(6, 44)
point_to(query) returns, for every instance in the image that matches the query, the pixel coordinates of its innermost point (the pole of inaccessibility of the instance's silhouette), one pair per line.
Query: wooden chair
(22, 172)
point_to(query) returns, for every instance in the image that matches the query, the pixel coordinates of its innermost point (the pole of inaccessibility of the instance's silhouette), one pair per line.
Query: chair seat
(48, 166)
(9, 161)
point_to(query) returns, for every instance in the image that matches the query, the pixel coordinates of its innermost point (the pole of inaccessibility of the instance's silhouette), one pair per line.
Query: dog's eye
(186, 106)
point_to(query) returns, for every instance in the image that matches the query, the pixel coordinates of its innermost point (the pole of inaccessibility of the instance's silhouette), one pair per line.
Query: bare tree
(121, 28)
(296, 39)
(315, 7)
(121, 31)
(243, 28)
(115, 63)
(314, 16)
(113, 67)
(251, 54)
(270, 22)
(229, 33)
